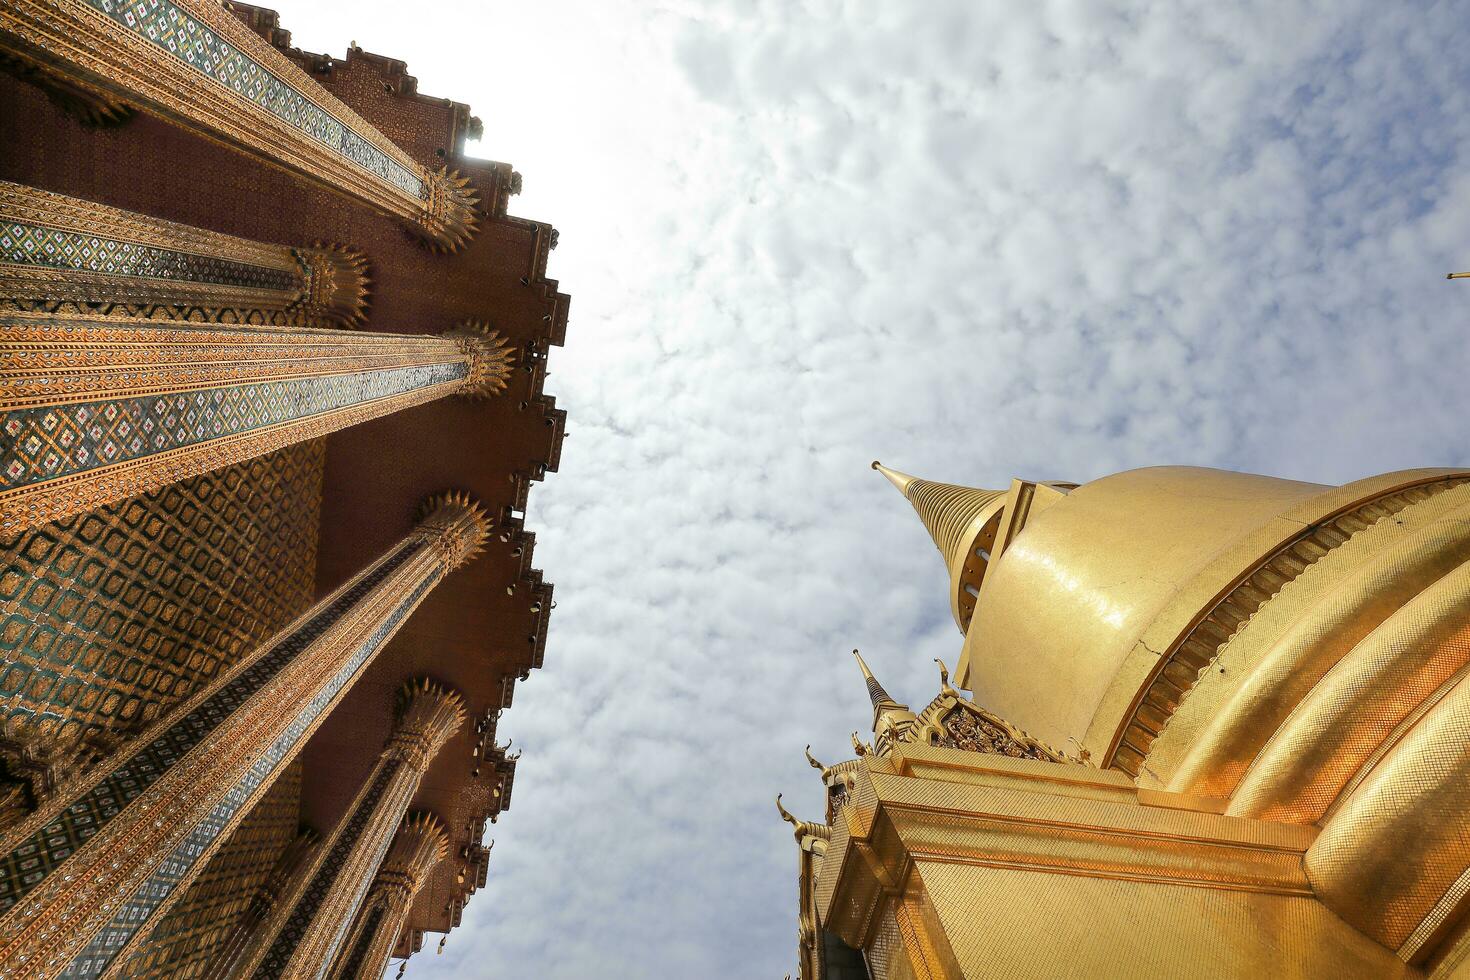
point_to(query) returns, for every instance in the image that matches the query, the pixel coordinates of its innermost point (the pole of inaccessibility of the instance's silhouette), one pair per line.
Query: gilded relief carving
(419, 844)
(316, 929)
(195, 934)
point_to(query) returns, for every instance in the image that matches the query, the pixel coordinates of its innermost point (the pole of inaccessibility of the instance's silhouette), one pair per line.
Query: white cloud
(976, 240)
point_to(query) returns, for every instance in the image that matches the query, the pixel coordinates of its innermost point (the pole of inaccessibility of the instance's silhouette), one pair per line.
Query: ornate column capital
(44, 761)
(490, 357)
(420, 843)
(278, 883)
(337, 282)
(455, 524)
(449, 218)
(427, 715)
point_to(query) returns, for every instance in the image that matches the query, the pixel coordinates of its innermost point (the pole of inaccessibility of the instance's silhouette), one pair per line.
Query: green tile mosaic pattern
(108, 617)
(173, 29)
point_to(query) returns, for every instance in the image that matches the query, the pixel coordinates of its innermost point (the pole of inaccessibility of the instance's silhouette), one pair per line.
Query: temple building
(1219, 730)
(272, 355)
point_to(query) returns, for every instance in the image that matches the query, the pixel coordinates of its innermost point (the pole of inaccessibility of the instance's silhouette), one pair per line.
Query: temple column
(309, 936)
(289, 872)
(419, 844)
(94, 410)
(84, 877)
(194, 63)
(60, 253)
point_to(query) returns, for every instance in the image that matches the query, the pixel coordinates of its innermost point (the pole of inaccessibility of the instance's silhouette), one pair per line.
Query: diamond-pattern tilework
(108, 617)
(48, 442)
(24, 244)
(32, 860)
(135, 913)
(188, 937)
(173, 29)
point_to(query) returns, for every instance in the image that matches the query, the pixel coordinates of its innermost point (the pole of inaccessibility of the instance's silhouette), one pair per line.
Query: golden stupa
(1223, 734)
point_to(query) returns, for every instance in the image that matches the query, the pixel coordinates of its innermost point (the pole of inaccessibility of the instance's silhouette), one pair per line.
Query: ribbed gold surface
(1360, 702)
(1322, 626)
(947, 510)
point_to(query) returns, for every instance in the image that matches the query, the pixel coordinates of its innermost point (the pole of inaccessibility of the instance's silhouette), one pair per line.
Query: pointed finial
(944, 687)
(876, 694)
(947, 509)
(785, 814)
(956, 518)
(902, 481)
(814, 763)
(1458, 275)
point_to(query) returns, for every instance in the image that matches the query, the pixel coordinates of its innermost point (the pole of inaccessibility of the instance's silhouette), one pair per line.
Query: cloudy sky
(974, 239)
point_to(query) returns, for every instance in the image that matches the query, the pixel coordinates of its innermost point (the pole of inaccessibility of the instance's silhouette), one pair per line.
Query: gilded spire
(899, 479)
(890, 718)
(1458, 275)
(879, 697)
(947, 510)
(961, 521)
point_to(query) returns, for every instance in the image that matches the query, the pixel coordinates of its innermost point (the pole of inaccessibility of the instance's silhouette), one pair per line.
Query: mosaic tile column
(95, 410)
(285, 878)
(64, 253)
(312, 933)
(194, 63)
(419, 844)
(83, 878)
